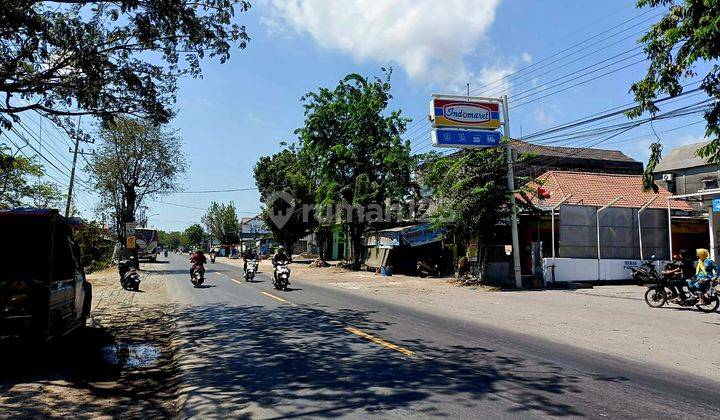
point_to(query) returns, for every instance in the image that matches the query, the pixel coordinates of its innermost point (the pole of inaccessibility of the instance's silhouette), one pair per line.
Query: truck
(146, 241)
(43, 290)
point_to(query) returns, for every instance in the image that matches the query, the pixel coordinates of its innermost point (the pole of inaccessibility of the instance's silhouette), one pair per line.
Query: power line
(215, 191)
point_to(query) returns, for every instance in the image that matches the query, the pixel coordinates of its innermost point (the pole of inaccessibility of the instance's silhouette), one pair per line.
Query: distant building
(544, 158)
(682, 172)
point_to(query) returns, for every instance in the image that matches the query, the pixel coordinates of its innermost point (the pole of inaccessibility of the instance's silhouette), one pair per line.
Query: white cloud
(429, 41)
(545, 115)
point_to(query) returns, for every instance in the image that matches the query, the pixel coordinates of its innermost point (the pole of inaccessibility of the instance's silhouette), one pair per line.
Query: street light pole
(513, 206)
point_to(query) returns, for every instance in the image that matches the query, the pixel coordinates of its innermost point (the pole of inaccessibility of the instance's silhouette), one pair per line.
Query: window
(710, 183)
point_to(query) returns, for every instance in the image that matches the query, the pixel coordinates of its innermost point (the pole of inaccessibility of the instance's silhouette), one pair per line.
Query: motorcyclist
(213, 255)
(674, 273)
(198, 260)
(705, 270)
(248, 255)
(280, 258)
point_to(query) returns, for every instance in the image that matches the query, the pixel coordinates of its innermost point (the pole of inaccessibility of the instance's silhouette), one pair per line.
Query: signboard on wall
(421, 235)
(465, 114)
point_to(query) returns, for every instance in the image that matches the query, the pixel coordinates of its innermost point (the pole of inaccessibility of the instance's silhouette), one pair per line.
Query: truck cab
(43, 290)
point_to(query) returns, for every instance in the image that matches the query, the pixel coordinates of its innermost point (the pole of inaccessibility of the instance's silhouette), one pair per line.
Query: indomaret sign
(465, 114)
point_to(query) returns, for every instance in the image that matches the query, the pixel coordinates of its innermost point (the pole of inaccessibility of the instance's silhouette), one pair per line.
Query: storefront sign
(468, 114)
(716, 205)
(421, 235)
(447, 137)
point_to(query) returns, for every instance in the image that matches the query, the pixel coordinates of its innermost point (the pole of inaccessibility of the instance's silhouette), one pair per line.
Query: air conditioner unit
(668, 177)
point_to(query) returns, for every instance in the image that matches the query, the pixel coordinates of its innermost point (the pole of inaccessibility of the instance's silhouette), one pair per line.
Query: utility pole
(513, 206)
(72, 171)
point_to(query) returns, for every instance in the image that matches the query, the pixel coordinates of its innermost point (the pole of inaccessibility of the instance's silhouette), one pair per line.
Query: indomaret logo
(466, 113)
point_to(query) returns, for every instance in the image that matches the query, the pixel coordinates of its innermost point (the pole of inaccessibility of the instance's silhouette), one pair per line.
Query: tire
(712, 306)
(655, 297)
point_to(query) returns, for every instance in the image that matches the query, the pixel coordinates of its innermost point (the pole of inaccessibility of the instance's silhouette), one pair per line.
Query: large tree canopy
(686, 36)
(353, 143)
(104, 57)
(286, 172)
(19, 185)
(222, 222)
(135, 160)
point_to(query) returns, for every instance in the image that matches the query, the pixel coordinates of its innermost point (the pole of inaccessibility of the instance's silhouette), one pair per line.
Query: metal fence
(619, 235)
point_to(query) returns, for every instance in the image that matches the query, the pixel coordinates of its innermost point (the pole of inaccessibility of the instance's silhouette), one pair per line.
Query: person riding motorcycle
(249, 254)
(198, 260)
(705, 270)
(280, 257)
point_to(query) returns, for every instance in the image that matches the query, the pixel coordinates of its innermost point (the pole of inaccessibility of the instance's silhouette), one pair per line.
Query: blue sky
(242, 109)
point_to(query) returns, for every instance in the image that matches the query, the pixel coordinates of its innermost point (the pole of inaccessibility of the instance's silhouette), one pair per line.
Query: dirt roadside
(121, 365)
(612, 320)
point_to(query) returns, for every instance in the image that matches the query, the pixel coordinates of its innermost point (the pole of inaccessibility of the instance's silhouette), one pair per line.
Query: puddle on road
(135, 356)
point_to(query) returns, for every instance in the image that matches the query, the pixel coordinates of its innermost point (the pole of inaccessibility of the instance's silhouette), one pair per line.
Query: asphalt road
(250, 351)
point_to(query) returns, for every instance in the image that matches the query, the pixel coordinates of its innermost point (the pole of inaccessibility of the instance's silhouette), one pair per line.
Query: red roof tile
(598, 189)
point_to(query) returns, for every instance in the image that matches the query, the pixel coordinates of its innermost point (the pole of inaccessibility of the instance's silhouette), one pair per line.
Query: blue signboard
(445, 137)
(716, 205)
(421, 235)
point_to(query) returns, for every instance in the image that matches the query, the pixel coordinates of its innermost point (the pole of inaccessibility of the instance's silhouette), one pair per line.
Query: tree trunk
(356, 232)
(130, 199)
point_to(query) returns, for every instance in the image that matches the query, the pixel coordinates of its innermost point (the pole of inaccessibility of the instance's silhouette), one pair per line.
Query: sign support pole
(513, 206)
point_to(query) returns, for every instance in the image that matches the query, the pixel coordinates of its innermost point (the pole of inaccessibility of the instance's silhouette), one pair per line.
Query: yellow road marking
(274, 297)
(379, 341)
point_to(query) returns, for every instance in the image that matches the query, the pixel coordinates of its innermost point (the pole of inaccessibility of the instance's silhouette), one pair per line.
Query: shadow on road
(299, 361)
(90, 373)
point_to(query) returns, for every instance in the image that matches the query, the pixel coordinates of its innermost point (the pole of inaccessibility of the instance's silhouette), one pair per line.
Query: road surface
(245, 349)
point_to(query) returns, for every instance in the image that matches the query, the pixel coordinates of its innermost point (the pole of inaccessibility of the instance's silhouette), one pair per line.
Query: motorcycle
(197, 275)
(281, 276)
(252, 266)
(166, 253)
(646, 273)
(212, 258)
(426, 269)
(129, 276)
(657, 295)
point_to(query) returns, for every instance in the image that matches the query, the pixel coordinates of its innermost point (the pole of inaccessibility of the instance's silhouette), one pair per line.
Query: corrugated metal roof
(682, 157)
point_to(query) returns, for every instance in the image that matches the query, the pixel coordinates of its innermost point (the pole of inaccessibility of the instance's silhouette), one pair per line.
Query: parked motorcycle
(252, 266)
(197, 275)
(281, 276)
(129, 276)
(425, 269)
(646, 273)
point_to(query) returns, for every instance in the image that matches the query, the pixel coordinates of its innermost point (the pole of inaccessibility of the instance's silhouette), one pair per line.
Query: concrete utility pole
(513, 206)
(72, 171)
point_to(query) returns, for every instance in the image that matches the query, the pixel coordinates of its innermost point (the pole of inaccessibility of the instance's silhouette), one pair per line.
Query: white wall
(586, 269)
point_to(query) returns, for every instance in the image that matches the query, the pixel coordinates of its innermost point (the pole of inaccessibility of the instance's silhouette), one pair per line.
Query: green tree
(106, 58)
(134, 161)
(354, 144)
(284, 171)
(472, 189)
(195, 234)
(170, 239)
(96, 246)
(687, 35)
(17, 186)
(222, 222)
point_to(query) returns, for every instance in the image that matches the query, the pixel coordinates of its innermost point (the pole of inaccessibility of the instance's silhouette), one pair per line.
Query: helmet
(281, 248)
